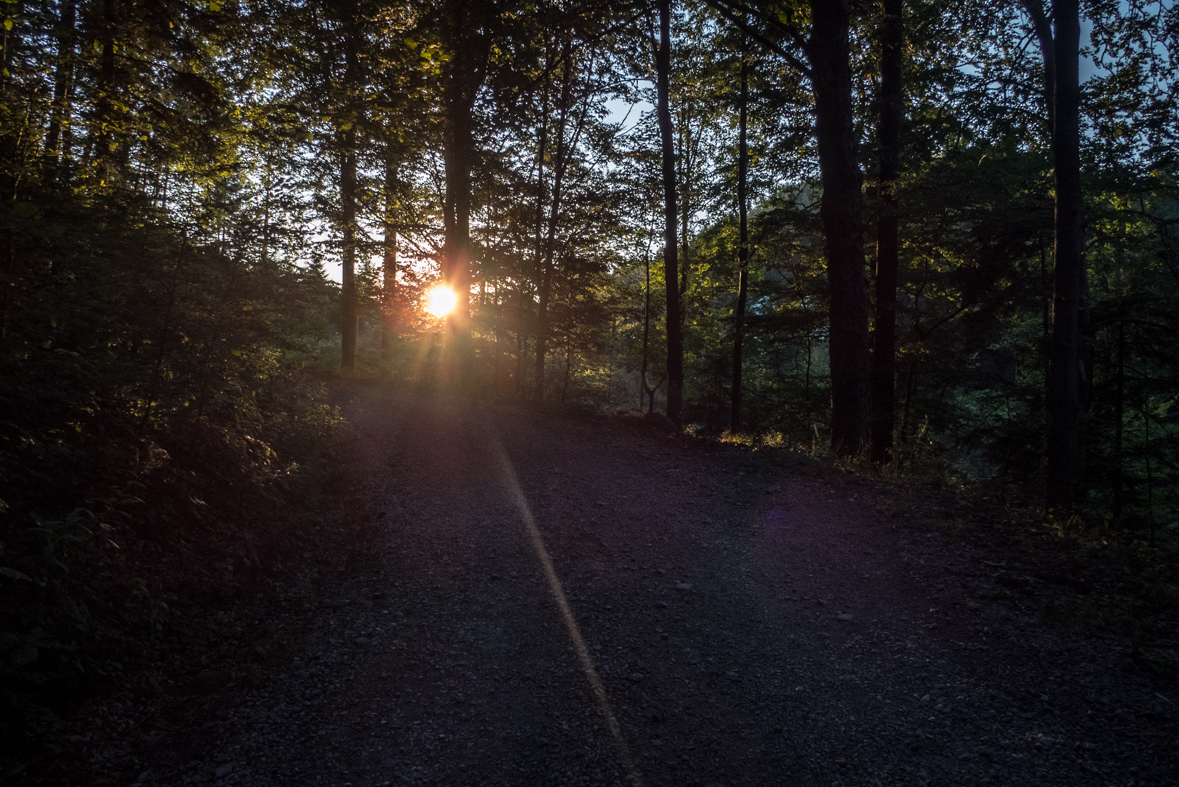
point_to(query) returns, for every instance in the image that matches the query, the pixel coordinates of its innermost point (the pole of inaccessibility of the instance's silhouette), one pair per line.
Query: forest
(913, 236)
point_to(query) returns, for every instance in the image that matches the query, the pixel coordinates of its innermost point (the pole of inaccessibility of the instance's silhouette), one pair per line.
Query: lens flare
(441, 300)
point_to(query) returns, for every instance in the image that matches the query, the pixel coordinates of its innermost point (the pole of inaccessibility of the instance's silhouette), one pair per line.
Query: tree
(884, 337)
(675, 336)
(59, 135)
(742, 241)
(466, 38)
(561, 63)
(1066, 374)
(347, 123)
(828, 56)
(842, 214)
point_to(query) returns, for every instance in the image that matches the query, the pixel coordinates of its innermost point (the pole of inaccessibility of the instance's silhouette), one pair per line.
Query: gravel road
(547, 601)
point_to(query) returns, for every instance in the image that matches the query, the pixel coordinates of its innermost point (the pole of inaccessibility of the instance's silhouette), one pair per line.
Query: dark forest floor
(713, 616)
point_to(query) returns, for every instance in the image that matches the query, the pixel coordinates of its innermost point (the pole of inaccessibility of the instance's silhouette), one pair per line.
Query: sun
(441, 300)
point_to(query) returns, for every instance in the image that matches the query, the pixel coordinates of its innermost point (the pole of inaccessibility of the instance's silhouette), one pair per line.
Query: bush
(158, 427)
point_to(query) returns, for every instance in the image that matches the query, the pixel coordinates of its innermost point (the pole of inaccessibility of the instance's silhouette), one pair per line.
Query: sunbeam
(558, 591)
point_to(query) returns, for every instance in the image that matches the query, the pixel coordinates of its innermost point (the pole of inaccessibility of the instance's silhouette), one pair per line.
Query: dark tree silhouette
(675, 330)
(884, 333)
(842, 216)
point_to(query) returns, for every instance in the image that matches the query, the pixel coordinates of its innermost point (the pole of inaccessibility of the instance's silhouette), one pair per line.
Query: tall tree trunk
(675, 334)
(456, 253)
(684, 164)
(467, 42)
(348, 196)
(742, 242)
(1065, 373)
(884, 344)
(842, 216)
(545, 281)
(542, 294)
(62, 85)
(646, 329)
(348, 306)
(1043, 29)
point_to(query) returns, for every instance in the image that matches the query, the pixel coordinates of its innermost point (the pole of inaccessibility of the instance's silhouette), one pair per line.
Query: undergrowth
(159, 441)
(1101, 578)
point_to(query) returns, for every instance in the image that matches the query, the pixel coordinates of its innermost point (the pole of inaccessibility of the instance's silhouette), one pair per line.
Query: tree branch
(728, 9)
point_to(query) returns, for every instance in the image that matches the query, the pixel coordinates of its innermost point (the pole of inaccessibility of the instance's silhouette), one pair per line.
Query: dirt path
(711, 617)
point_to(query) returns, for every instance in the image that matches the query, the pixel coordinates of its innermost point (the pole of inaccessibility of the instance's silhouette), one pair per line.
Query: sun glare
(441, 300)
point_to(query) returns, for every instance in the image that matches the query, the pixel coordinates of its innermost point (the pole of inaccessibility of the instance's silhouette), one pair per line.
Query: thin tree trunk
(564, 150)
(9, 155)
(389, 316)
(266, 199)
(348, 195)
(520, 347)
(348, 305)
(884, 344)
(546, 272)
(1149, 470)
(842, 216)
(1119, 416)
(646, 328)
(541, 290)
(1045, 315)
(568, 367)
(151, 392)
(9, 176)
(63, 82)
(104, 104)
(1065, 375)
(685, 162)
(806, 389)
(742, 243)
(675, 336)
(906, 425)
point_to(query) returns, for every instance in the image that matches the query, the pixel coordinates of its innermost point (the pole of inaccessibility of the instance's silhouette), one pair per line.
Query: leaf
(12, 573)
(7, 26)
